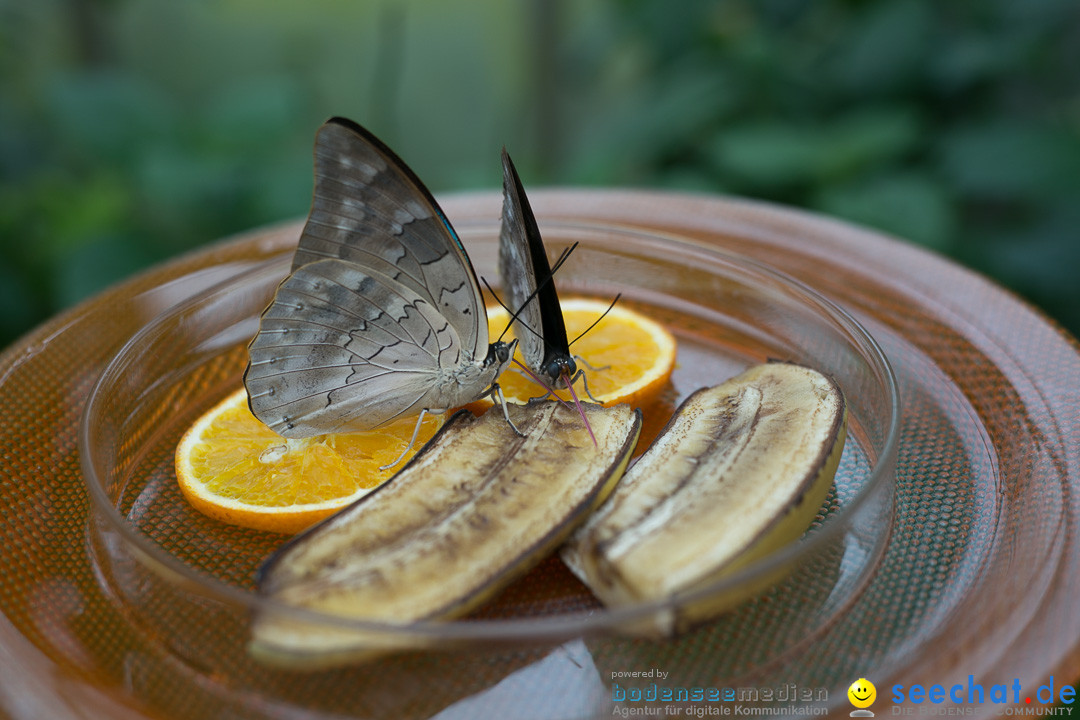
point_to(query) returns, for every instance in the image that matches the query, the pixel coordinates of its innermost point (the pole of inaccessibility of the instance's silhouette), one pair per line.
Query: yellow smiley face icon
(862, 693)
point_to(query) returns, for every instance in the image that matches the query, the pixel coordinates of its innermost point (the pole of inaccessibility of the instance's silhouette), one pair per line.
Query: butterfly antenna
(597, 321)
(513, 315)
(563, 257)
(493, 293)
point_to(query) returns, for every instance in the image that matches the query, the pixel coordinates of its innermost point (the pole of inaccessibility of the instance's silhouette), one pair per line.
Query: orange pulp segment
(233, 468)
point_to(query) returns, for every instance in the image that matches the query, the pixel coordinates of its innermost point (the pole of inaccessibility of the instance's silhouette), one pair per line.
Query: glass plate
(168, 563)
(974, 579)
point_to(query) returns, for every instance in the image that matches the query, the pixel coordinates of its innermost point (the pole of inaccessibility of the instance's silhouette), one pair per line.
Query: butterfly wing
(381, 315)
(528, 283)
(370, 209)
(343, 348)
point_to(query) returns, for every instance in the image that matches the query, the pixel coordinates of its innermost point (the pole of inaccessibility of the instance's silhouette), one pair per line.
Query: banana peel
(741, 469)
(475, 509)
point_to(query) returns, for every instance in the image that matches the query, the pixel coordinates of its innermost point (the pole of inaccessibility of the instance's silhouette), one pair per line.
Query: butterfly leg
(498, 393)
(415, 434)
(545, 396)
(587, 364)
(585, 381)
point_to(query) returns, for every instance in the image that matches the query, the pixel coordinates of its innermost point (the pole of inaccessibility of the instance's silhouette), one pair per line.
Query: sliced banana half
(476, 508)
(740, 470)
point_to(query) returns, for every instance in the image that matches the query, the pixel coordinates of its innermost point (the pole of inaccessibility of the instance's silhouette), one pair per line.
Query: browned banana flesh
(476, 508)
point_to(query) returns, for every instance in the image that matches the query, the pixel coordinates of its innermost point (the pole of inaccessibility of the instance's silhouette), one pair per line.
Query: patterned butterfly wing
(343, 349)
(529, 285)
(381, 316)
(370, 209)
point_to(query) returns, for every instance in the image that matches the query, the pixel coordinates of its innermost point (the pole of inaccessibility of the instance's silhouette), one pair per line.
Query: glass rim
(534, 628)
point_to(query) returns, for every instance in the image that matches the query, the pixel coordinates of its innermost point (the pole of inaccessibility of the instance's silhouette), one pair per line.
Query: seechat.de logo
(862, 694)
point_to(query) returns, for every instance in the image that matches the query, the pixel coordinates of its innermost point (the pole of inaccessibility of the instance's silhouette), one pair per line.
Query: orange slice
(633, 355)
(233, 468)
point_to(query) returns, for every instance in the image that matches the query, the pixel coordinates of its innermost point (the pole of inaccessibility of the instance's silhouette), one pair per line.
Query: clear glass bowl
(186, 583)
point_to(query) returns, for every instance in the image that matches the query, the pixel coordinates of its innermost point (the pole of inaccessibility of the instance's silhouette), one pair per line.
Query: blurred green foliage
(133, 130)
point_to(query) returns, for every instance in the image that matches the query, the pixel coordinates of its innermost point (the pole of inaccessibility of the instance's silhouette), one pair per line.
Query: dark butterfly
(529, 288)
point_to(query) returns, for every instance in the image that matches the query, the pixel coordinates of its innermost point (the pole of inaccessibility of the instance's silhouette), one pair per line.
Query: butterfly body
(381, 316)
